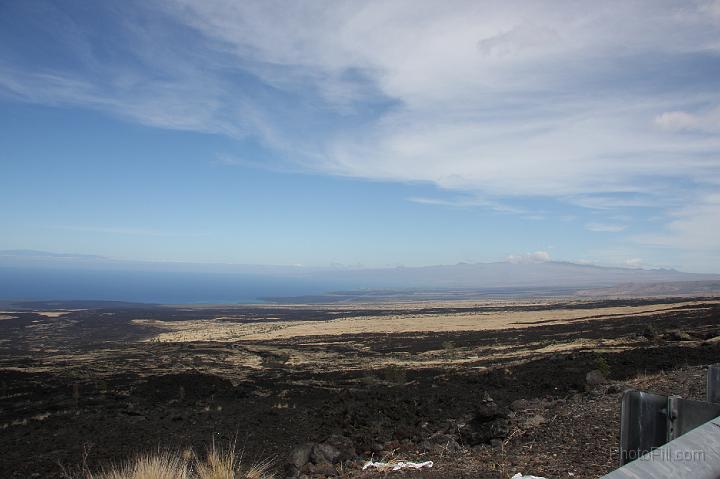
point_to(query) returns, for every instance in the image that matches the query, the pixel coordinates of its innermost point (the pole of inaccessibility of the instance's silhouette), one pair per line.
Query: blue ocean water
(150, 286)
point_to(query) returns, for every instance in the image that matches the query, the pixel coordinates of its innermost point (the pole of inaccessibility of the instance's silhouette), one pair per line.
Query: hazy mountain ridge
(507, 274)
(40, 275)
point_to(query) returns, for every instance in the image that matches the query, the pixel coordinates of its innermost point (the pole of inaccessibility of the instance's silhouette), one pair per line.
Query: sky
(374, 133)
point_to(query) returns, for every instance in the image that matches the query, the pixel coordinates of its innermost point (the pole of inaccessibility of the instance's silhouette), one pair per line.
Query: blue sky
(363, 133)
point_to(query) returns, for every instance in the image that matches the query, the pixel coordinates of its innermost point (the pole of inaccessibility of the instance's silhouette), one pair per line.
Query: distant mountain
(515, 275)
(677, 288)
(37, 275)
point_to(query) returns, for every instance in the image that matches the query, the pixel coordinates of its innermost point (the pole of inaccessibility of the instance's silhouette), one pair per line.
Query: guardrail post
(713, 383)
(673, 407)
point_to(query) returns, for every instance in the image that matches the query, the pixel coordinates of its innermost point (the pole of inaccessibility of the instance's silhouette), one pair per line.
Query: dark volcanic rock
(487, 423)
(183, 387)
(343, 445)
(533, 421)
(324, 469)
(650, 332)
(122, 415)
(519, 404)
(482, 431)
(595, 378)
(487, 409)
(324, 453)
(679, 336)
(334, 449)
(441, 442)
(291, 471)
(615, 389)
(301, 455)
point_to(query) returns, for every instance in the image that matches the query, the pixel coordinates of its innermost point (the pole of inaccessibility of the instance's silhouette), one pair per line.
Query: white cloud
(605, 227)
(536, 257)
(468, 202)
(712, 7)
(601, 202)
(490, 97)
(634, 263)
(693, 228)
(683, 121)
(519, 98)
(590, 103)
(676, 120)
(588, 262)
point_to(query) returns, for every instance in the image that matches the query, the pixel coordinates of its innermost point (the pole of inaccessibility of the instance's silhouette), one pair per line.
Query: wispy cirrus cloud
(692, 228)
(707, 121)
(528, 258)
(605, 227)
(613, 202)
(692, 231)
(592, 104)
(478, 97)
(469, 202)
(634, 263)
(483, 99)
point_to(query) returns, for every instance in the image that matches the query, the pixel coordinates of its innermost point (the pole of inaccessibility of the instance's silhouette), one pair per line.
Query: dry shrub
(160, 466)
(217, 464)
(259, 470)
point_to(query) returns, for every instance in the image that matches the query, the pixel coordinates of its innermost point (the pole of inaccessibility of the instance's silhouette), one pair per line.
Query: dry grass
(217, 464)
(160, 466)
(406, 322)
(227, 464)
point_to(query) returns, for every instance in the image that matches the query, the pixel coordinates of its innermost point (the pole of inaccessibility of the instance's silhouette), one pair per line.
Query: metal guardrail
(650, 420)
(713, 384)
(668, 436)
(694, 455)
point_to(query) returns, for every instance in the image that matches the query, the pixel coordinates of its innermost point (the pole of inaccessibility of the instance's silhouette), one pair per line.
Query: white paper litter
(520, 476)
(396, 466)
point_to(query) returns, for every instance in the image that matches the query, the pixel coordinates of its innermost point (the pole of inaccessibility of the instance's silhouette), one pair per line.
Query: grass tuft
(217, 464)
(161, 466)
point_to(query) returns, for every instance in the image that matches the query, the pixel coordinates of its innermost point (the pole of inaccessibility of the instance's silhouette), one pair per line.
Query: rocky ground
(69, 393)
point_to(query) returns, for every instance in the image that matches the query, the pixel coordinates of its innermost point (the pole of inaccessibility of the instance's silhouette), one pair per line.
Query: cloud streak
(593, 104)
(484, 99)
(477, 97)
(529, 258)
(706, 121)
(605, 227)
